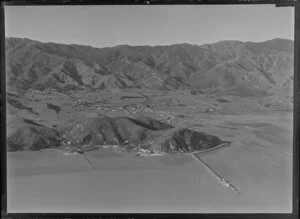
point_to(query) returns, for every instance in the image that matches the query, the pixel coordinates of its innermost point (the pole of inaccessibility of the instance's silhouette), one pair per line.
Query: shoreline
(74, 151)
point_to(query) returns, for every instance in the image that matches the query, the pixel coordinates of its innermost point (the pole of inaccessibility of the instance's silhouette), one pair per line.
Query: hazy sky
(102, 26)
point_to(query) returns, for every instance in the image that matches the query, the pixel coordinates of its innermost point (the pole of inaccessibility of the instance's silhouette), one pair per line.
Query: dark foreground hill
(93, 129)
(245, 68)
(30, 136)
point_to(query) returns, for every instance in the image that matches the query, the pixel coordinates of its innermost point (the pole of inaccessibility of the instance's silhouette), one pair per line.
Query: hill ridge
(262, 66)
(120, 45)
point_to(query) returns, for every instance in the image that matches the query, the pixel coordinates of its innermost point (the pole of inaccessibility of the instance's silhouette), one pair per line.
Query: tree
(193, 92)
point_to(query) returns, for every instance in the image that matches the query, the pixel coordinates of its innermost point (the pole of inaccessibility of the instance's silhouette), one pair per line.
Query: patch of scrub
(54, 107)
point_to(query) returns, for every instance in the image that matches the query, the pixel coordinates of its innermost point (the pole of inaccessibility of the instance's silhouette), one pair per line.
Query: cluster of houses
(168, 117)
(47, 91)
(88, 100)
(133, 109)
(137, 149)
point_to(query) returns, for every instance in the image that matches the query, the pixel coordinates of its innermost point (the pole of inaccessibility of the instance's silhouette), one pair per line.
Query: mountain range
(227, 66)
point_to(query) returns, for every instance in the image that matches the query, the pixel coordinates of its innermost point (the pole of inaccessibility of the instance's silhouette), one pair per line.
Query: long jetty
(220, 179)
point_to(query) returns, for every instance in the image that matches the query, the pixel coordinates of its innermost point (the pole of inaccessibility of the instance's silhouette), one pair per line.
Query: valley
(150, 129)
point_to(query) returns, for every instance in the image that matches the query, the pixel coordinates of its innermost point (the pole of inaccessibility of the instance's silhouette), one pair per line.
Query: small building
(209, 110)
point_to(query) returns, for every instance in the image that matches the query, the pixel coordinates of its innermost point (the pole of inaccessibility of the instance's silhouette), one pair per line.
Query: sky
(110, 25)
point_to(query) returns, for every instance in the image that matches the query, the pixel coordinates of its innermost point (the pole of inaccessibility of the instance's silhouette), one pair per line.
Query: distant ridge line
(144, 45)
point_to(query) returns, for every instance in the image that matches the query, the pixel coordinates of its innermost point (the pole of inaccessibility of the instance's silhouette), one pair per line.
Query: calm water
(52, 182)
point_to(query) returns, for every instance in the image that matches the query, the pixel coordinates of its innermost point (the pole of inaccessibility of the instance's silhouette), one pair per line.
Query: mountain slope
(240, 67)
